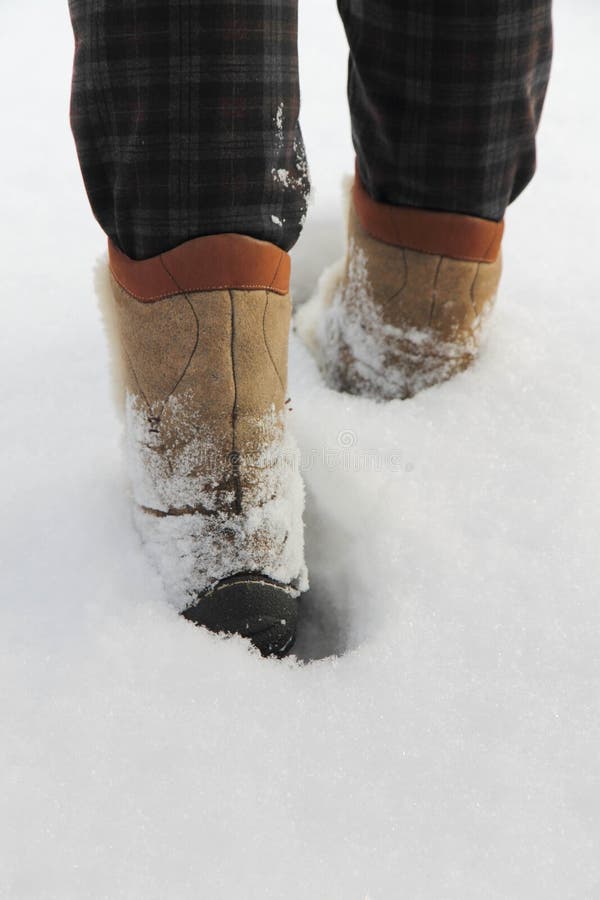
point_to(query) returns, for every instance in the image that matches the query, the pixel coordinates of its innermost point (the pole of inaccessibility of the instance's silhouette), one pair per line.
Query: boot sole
(253, 606)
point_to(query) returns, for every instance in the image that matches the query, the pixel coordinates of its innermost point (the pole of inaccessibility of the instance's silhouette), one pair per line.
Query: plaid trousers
(185, 112)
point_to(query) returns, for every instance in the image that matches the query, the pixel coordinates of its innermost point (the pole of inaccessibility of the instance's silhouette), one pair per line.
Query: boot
(200, 340)
(408, 308)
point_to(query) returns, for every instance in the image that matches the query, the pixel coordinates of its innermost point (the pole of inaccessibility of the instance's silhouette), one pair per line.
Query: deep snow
(441, 739)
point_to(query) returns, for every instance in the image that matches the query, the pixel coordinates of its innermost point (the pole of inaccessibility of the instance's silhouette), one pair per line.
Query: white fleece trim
(110, 319)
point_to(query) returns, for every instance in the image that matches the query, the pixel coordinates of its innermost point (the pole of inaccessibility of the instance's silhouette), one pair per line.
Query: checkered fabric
(445, 98)
(185, 117)
(185, 112)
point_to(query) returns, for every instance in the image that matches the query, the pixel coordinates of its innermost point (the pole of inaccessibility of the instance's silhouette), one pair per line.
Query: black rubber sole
(253, 606)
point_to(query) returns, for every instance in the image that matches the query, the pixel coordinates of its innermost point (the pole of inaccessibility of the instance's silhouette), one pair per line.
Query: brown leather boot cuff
(440, 233)
(213, 263)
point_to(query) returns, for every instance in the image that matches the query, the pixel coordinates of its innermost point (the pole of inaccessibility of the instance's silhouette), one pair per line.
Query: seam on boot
(405, 282)
(235, 457)
(472, 291)
(197, 340)
(267, 301)
(274, 278)
(434, 291)
(157, 419)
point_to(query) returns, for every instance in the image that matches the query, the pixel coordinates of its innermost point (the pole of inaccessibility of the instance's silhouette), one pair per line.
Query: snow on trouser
(200, 339)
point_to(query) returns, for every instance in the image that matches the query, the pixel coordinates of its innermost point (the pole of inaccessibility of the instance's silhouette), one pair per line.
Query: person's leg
(445, 101)
(185, 117)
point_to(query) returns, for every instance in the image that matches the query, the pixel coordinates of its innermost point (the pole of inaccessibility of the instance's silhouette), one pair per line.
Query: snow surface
(440, 737)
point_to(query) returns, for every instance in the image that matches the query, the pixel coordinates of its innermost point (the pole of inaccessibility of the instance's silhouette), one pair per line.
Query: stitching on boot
(196, 342)
(472, 291)
(235, 456)
(434, 290)
(267, 299)
(405, 282)
(197, 290)
(155, 420)
(274, 278)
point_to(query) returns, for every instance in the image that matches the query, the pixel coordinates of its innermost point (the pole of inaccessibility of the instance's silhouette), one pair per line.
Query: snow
(342, 319)
(279, 120)
(189, 550)
(437, 736)
(282, 176)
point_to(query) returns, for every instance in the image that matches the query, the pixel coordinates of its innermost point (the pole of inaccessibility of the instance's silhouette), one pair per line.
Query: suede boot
(407, 309)
(200, 340)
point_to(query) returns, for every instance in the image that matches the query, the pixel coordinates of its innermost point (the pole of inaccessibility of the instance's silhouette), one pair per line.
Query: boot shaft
(203, 379)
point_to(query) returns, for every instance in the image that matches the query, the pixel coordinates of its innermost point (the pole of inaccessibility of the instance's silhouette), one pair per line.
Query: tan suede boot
(200, 336)
(408, 308)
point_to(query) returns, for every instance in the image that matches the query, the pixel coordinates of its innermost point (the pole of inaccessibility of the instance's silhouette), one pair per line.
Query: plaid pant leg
(185, 118)
(446, 97)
